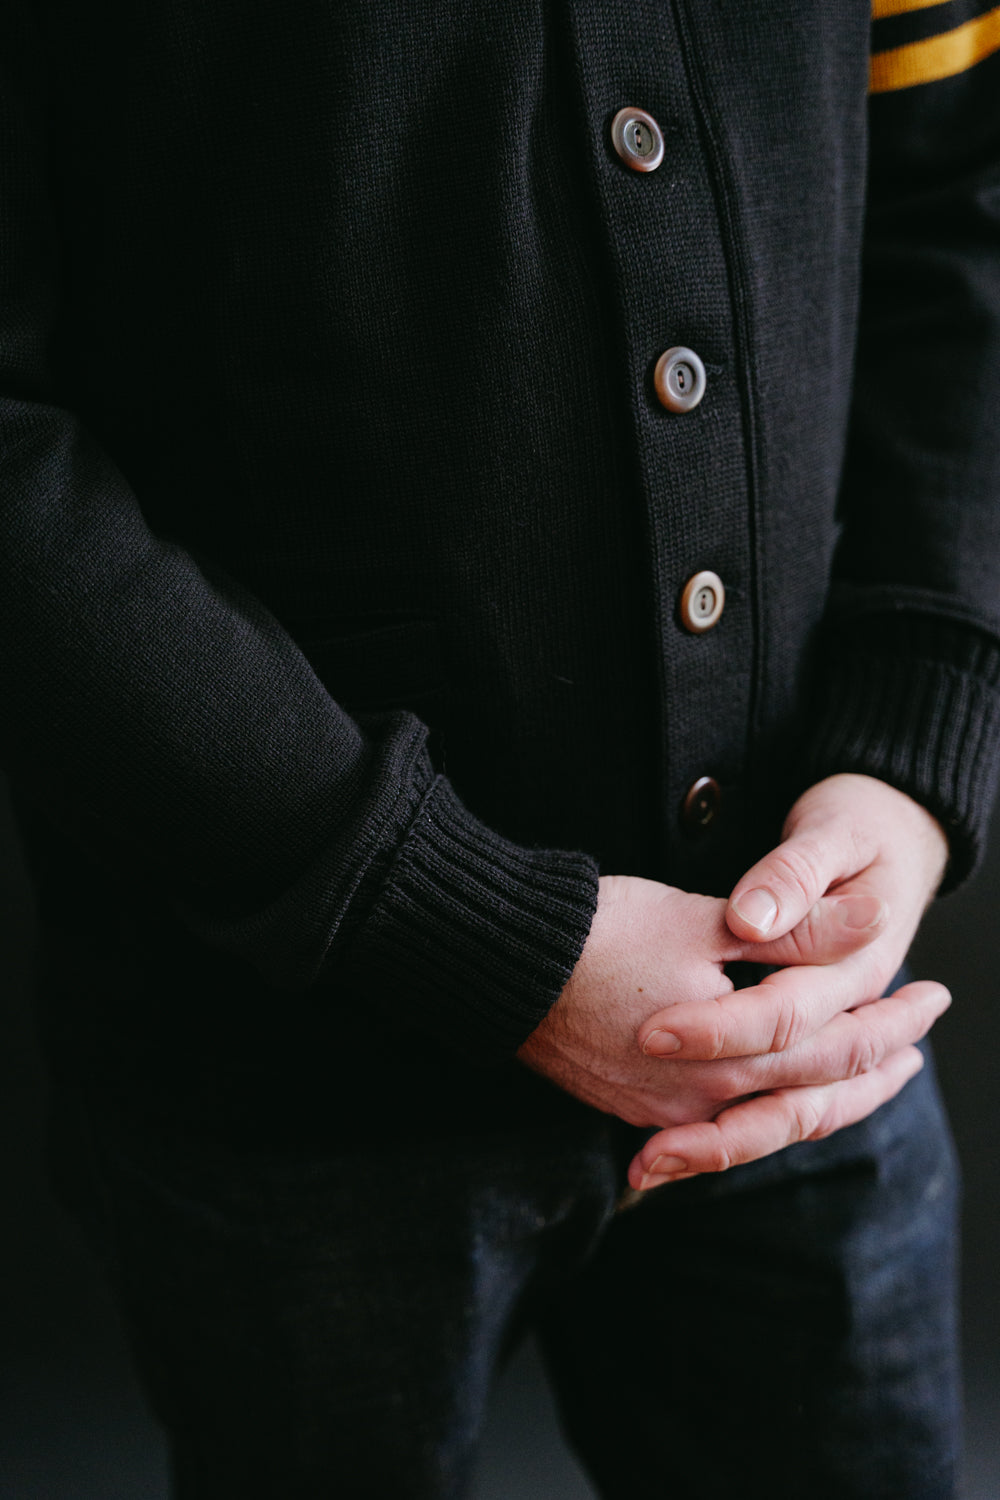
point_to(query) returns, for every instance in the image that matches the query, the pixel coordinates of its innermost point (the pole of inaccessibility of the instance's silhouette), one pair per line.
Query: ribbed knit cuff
(477, 936)
(927, 725)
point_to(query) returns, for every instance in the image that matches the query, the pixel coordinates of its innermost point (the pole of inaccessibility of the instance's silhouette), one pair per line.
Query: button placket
(670, 254)
(680, 382)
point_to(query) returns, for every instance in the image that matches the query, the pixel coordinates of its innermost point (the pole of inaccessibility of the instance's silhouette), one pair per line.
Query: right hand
(652, 945)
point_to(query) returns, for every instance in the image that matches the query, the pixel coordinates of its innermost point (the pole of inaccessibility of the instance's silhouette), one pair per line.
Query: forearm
(171, 725)
(907, 684)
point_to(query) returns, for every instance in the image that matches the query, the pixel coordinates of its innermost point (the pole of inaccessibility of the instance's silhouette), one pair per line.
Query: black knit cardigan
(342, 530)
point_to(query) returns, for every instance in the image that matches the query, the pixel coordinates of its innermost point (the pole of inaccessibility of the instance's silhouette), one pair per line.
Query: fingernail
(858, 912)
(661, 1044)
(665, 1166)
(757, 907)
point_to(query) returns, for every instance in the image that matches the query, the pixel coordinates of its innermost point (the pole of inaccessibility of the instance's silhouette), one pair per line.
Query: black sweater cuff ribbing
(917, 704)
(472, 934)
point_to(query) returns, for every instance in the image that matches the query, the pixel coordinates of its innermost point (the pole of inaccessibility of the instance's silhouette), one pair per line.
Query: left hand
(852, 835)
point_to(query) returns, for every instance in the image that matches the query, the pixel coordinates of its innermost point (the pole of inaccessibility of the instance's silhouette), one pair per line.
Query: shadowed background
(72, 1424)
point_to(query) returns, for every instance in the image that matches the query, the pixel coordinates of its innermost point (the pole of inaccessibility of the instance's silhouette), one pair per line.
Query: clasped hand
(651, 1029)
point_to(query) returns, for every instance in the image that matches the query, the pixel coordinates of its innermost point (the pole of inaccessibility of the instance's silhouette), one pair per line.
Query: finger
(758, 1127)
(852, 1043)
(832, 928)
(773, 1016)
(775, 895)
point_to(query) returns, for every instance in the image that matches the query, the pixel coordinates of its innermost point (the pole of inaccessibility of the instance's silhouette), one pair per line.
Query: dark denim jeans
(317, 1324)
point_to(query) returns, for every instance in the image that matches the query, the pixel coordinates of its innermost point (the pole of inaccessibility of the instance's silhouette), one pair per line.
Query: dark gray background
(72, 1425)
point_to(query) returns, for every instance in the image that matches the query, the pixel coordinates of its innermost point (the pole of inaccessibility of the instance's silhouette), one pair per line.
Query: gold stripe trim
(882, 8)
(937, 57)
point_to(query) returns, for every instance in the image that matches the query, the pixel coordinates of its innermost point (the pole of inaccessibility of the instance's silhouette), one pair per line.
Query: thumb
(837, 926)
(777, 893)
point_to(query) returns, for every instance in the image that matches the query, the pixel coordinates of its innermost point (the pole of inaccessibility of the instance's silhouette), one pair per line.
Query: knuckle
(807, 1119)
(807, 938)
(799, 865)
(790, 1025)
(865, 1052)
(717, 1156)
(708, 1030)
(716, 1034)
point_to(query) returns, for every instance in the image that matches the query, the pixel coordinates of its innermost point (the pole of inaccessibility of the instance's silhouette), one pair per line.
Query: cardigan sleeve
(909, 682)
(167, 722)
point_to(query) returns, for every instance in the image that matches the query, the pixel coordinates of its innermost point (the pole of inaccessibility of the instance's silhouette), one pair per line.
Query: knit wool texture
(343, 531)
